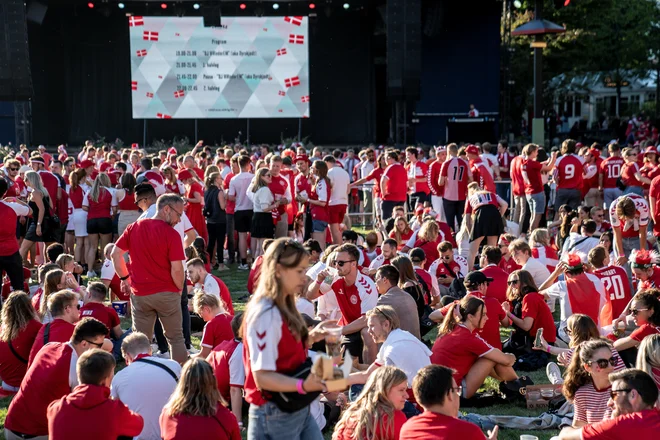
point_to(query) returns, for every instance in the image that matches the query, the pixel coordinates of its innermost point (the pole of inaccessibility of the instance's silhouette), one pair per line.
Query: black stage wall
(81, 72)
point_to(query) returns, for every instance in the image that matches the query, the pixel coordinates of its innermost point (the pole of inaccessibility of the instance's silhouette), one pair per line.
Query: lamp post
(538, 28)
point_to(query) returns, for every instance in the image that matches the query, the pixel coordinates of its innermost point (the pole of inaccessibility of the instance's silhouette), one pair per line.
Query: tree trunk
(618, 98)
(657, 92)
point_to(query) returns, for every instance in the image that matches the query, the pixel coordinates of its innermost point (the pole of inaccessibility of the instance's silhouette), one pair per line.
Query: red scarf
(583, 296)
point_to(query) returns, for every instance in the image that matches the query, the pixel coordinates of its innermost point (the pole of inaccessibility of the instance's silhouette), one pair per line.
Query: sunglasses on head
(603, 363)
(341, 263)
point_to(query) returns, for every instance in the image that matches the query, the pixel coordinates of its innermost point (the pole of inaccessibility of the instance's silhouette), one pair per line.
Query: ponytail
(651, 299)
(459, 311)
(576, 375)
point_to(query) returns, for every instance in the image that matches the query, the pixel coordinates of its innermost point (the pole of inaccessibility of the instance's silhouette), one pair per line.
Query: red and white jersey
(654, 193)
(417, 171)
(568, 172)
(481, 199)
(482, 175)
(546, 255)
(490, 160)
(457, 173)
(610, 168)
(377, 262)
(434, 178)
(504, 161)
(356, 300)
(438, 268)
(156, 180)
(641, 217)
(615, 280)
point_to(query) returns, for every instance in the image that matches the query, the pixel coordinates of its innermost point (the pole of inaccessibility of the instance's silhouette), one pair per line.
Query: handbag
(52, 220)
(456, 288)
(619, 184)
(290, 402)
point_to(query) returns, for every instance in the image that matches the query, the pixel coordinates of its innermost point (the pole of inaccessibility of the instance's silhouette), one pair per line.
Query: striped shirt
(458, 174)
(590, 405)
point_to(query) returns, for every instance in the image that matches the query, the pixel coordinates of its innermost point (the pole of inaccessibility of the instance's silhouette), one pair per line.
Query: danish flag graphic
(281, 93)
(296, 39)
(150, 95)
(295, 20)
(150, 36)
(135, 21)
(178, 94)
(305, 98)
(281, 52)
(133, 85)
(292, 82)
(142, 53)
(163, 116)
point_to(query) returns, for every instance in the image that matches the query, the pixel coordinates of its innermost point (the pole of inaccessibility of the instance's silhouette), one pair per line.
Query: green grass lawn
(236, 281)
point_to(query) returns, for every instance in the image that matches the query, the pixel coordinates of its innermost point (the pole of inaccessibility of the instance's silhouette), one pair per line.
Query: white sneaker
(193, 350)
(162, 355)
(91, 274)
(554, 373)
(243, 267)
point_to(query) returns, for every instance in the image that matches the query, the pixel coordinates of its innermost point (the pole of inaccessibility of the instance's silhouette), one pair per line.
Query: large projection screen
(250, 67)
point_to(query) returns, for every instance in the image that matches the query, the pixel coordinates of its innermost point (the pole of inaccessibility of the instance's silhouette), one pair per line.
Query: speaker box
(15, 75)
(36, 12)
(404, 47)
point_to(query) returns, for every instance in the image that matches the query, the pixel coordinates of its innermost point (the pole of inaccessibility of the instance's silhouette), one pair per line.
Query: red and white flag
(177, 34)
(305, 98)
(163, 116)
(133, 85)
(150, 95)
(281, 52)
(296, 39)
(135, 21)
(178, 94)
(150, 36)
(295, 20)
(142, 53)
(281, 93)
(292, 82)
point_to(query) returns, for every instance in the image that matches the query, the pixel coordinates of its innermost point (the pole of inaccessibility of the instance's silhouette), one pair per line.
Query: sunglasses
(341, 263)
(512, 282)
(99, 345)
(615, 393)
(447, 257)
(635, 312)
(604, 363)
(138, 201)
(12, 169)
(458, 390)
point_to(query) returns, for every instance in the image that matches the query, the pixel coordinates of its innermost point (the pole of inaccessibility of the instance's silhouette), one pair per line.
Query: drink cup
(333, 342)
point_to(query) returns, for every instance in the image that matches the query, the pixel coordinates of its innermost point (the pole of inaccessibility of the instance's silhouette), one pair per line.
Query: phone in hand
(537, 340)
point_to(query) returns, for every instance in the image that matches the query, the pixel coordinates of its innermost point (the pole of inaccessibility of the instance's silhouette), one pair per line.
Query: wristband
(299, 386)
(318, 282)
(124, 278)
(549, 349)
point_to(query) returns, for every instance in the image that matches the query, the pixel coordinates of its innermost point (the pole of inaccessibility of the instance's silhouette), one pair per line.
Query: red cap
(650, 150)
(579, 145)
(135, 146)
(573, 260)
(86, 163)
(302, 157)
(289, 153)
(185, 174)
(419, 209)
(472, 149)
(594, 152)
(171, 150)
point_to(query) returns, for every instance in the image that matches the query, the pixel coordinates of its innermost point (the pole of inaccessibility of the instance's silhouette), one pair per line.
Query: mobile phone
(537, 340)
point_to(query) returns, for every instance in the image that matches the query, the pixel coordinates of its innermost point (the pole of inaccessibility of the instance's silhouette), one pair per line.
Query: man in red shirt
(518, 189)
(63, 307)
(209, 283)
(438, 393)
(279, 186)
(534, 192)
(89, 412)
(569, 170)
(392, 185)
(490, 260)
(10, 258)
(633, 398)
(417, 179)
(302, 189)
(51, 183)
(616, 282)
(155, 272)
(480, 173)
(608, 173)
(48, 378)
(189, 164)
(435, 166)
(455, 175)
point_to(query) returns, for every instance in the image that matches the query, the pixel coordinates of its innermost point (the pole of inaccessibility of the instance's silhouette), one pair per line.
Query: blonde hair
(17, 312)
(539, 236)
(648, 354)
(397, 233)
(257, 180)
(102, 180)
(429, 231)
(34, 179)
(202, 300)
(372, 406)
(197, 393)
(64, 259)
(51, 282)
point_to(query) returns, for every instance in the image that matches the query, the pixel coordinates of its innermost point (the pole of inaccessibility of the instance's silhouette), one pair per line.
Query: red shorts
(336, 213)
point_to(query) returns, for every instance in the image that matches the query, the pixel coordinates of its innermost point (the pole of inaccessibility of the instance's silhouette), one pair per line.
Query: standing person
(368, 193)
(504, 159)
(569, 169)
(609, 173)
(629, 216)
(19, 327)
(10, 257)
(417, 179)
(144, 375)
(238, 188)
(454, 177)
(276, 339)
(230, 210)
(484, 216)
(194, 200)
(434, 181)
(318, 200)
(518, 190)
(89, 412)
(264, 204)
(78, 219)
(534, 192)
(375, 174)
(216, 218)
(630, 173)
(302, 188)
(128, 210)
(394, 193)
(481, 172)
(279, 187)
(340, 186)
(155, 272)
(39, 229)
(101, 205)
(196, 409)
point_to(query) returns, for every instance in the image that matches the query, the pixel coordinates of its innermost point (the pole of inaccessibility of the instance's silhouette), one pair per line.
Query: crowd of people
(465, 240)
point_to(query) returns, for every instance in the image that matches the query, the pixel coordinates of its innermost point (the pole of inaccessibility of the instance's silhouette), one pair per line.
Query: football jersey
(641, 219)
(481, 199)
(568, 172)
(417, 171)
(457, 173)
(615, 280)
(482, 176)
(434, 178)
(610, 168)
(356, 300)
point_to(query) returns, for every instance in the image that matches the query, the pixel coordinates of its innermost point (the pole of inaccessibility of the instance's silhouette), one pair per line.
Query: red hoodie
(89, 413)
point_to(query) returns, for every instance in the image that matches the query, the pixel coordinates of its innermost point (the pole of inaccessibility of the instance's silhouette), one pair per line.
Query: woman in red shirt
(194, 199)
(172, 184)
(128, 210)
(77, 190)
(19, 327)
(401, 232)
(196, 409)
(318, 201)
(428, 238)
(645, 309)
(631, 173)
(375, 175)
(377, 413)
(100, 204)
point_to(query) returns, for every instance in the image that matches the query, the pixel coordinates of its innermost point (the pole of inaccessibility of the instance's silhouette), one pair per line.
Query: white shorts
(79, 220)
(436, 203)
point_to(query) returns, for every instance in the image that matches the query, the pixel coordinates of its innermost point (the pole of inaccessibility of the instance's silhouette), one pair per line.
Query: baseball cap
(185, 174)
(86, 163)
(472, 149)
(476, 277)
(302, 157)
(417, 255)
(650, 150)
(38, 159)
(309, 321)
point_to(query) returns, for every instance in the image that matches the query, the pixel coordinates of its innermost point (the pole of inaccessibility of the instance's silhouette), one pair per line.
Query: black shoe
(516, 389)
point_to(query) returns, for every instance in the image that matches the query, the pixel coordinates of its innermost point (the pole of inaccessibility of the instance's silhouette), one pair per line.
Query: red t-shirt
(610, 168)
(46, 380)
(482, 176)
(217, 331)
(457, 173)
(534, 183)
(504, 161)
(230, 207)
(396, 188)
(59, 331)
(76, 196)
(219, 360)
(534, 306)
(517, 181)
(491, 331)
(434, 178)
(346, 432)
(654, 192)
(434, 426)
(643, 331)
(152, 245)
(430, 249)
(509, 265)
(279, 186)
(420, 170)
(443, 272)
(51, 183)
(375, 175)
(320, 193)
(101, 208)
(356, 300)
(459, 350)
(404, 237)
(107, 315)
(628, 174)
(255, 271)
(8, 242)
(642, 425)
(89, 412)
(652, 282)
(223, 426)
(497, 287)
(615, 280)
(12, 370)
(568, 171)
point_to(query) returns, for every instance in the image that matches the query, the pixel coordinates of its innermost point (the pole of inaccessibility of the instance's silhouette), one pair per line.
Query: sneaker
(193, 350)
(554, 373)
(243, 267)
(91, 274)
(163, 355)
(222, 268)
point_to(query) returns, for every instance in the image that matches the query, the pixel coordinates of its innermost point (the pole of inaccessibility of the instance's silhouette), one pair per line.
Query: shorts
(353, 344)
(536, 202)
(421, 197)
(336, 213)
(243, 221)
(319, 225)
(79, 221)
(99, 226)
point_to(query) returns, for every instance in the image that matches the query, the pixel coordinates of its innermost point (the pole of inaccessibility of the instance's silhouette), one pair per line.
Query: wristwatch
(124, 278)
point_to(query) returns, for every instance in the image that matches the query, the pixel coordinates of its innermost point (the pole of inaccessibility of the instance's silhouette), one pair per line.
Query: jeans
(116, 344)
(185, 323)
(217, 232)
(610, 195)
(164, 307)
(13, 265)
(504, 191)
(268, 422)
(231, 242)
(634, 190)
(454, 212)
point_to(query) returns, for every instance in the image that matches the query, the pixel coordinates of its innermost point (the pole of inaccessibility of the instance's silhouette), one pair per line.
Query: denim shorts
(536, 202)
(319, 225)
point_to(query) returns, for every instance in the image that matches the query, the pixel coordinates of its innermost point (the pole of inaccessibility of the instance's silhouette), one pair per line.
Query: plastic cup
(333, 341)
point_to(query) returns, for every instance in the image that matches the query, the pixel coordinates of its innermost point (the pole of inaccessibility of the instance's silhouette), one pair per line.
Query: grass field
(237, 283)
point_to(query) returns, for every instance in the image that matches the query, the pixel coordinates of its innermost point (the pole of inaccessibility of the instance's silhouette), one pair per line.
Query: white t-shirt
(340, 181)
(210, 286)
(238, 186)
(182, 227)
(20, 210)
(490, 160)
(305, 306)
(236, 367)
(584, 245)
(537, 270)
(145, 389)
(404, 351)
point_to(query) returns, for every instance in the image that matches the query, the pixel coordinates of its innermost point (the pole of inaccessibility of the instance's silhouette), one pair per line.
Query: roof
(600, 82)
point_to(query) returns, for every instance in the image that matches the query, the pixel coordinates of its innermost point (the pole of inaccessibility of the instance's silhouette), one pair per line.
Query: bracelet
(299, 386)
(549, 349)
(318, 282)
(124, 278)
